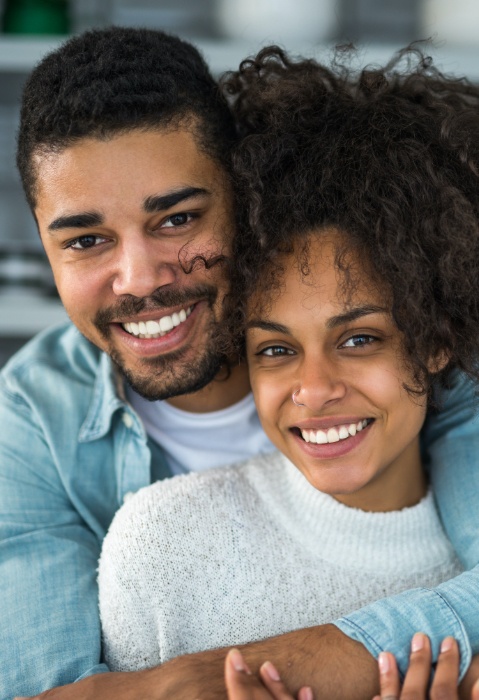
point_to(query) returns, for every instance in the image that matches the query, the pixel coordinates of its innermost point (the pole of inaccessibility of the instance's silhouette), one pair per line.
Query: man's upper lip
(328, 422)
(155, 314)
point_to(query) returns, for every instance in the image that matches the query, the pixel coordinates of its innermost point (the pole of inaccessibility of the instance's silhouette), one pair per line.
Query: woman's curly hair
(388, 156)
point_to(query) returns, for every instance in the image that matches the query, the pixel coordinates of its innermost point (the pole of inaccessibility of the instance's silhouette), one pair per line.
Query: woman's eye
(359, 341)
(176, 220)
(84, 242)
(275, 351)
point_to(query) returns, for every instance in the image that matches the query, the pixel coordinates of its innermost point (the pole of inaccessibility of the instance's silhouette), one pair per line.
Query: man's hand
(242, 685)
(328, 661)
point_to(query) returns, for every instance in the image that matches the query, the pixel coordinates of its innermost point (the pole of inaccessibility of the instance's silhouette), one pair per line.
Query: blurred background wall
(226, 31)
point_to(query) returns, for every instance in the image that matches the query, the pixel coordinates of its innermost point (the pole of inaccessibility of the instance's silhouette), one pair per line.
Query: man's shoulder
(58, 353)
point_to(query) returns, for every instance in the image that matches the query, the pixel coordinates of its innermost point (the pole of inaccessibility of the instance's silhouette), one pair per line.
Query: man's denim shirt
(72, 449)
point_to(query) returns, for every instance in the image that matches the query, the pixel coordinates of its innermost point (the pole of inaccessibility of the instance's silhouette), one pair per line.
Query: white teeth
(333, 435)
(155, 329)
(166, 324)
(342, 432)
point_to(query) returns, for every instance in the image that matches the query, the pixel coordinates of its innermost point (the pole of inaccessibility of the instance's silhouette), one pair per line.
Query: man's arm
(49, 628)
(321, 657)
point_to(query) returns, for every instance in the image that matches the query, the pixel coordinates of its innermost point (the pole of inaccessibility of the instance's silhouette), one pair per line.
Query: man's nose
(140, 268)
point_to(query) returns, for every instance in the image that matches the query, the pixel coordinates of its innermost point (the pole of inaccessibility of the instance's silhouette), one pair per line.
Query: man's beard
(168, 375)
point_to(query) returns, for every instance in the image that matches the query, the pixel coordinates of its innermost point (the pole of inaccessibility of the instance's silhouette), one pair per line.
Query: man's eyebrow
(162, 202)
(355, 314)
(83, 220)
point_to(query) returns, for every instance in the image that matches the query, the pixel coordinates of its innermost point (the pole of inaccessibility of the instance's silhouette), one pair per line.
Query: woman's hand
(416, 682)
(242, 685)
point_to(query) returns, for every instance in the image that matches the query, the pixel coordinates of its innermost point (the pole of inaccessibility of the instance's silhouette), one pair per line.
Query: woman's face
(356, 434)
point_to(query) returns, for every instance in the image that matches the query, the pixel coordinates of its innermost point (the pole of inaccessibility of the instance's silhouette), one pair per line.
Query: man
(123, 151)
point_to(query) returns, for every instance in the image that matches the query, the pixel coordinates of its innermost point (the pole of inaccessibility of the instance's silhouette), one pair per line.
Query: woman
(357, 268)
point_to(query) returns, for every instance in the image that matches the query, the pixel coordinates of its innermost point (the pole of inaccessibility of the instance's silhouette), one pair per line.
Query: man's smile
(157, 328)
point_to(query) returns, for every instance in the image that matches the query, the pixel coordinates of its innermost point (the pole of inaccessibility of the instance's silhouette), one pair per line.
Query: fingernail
(306, 694)
(238, 662)
(384, 664)
(271, 671)
(417, 642)
(446, 644)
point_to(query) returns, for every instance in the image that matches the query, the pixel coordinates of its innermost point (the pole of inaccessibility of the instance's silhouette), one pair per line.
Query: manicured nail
(271, 671)
(446, 644)
(384, 664)
(238, 662)
(417, 642)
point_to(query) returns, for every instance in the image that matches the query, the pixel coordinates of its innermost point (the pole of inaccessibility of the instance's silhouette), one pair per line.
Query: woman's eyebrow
(266, 326)
(354, 314)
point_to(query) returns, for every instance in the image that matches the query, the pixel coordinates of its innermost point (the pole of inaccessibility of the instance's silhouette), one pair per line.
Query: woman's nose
(319, 383)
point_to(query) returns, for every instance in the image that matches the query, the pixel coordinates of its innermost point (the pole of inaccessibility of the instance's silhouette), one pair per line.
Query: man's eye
(177, 220)
(84, 242)
(275, 351)
(359, 341)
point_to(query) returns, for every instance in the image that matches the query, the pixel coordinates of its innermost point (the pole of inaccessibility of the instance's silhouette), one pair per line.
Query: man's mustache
(160, 299)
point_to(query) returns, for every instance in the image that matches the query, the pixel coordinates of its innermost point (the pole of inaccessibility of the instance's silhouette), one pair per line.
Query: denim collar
(108, 397)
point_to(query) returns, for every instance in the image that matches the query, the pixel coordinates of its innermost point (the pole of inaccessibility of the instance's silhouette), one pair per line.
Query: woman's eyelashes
(359, 340)
(275, 351)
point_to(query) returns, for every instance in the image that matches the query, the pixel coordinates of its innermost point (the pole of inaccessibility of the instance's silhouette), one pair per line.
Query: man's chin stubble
(169, 376)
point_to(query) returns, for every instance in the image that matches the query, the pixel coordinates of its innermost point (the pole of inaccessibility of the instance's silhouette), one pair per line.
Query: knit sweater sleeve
(130, 640)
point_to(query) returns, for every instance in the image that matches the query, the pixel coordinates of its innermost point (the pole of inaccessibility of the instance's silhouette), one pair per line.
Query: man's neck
(228, 387)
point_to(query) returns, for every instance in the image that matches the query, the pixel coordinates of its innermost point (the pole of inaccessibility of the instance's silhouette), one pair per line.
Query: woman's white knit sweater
(243, 553)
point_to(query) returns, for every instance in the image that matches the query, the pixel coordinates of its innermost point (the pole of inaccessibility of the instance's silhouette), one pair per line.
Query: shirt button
(127, 419)
(127, 496)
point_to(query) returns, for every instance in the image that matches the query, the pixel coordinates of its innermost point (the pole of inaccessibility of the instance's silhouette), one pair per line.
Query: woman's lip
(334, 449)
(331, 422)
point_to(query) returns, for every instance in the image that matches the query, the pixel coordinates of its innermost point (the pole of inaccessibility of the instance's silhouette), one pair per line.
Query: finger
(271, 679)
(446, 676)
(388, 676)
(475, 691)
(238, 677)
(305, 693)
(419, 671)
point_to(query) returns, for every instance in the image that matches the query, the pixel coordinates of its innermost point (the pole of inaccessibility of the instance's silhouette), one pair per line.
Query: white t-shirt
(199, 441)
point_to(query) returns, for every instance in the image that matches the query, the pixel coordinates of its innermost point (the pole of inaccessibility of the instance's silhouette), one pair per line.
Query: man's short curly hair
(389, 157)
(113, 80)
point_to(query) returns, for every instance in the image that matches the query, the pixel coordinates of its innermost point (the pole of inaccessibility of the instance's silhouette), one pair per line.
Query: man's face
(124, 222)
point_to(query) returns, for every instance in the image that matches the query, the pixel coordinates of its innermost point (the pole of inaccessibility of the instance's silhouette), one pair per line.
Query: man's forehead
(153, 164)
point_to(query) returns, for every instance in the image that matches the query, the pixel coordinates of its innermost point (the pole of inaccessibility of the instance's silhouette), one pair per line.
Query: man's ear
(438, 362)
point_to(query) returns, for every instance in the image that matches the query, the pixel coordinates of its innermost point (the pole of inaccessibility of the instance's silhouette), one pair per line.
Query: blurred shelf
(23, 313)
(20, 54)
